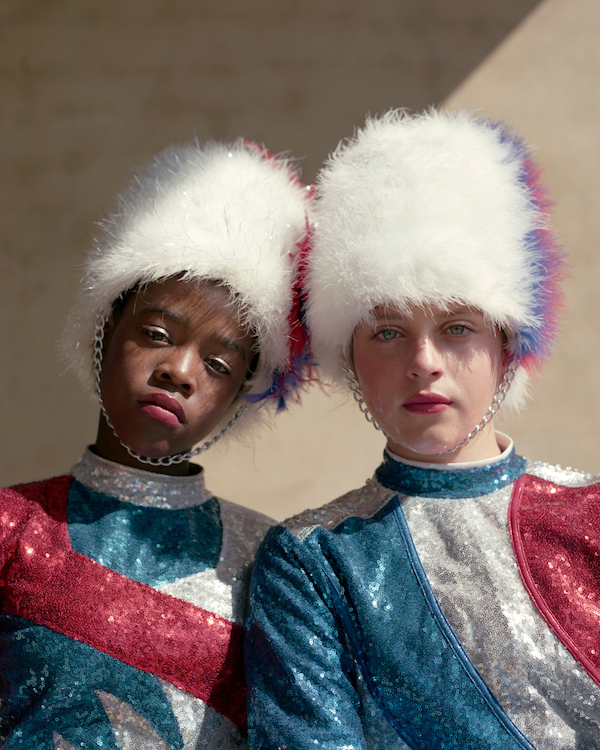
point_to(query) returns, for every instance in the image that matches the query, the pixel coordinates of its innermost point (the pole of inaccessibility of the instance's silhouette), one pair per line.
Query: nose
(180, 369)
(425, 360)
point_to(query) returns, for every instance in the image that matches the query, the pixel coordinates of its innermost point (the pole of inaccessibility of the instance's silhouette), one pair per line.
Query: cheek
(223, 397)
(121, 368)
(380, 386)
(479, 379)
(215, 396)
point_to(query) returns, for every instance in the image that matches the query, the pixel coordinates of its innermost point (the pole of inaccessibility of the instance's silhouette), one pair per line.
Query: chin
(424, 445)
(157, 450)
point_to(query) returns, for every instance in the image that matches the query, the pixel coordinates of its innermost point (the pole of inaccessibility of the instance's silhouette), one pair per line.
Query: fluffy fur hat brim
(433, 209)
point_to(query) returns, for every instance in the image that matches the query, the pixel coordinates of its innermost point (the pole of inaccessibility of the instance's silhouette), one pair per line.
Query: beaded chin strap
(178, 458)
(497, 401)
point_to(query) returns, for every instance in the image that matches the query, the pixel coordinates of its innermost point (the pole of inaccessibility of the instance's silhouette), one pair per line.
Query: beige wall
(543, 80)
(94, 88)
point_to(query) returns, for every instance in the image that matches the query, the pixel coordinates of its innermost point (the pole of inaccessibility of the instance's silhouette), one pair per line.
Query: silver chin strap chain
(358, 396)
(499, 397)
(178, 458)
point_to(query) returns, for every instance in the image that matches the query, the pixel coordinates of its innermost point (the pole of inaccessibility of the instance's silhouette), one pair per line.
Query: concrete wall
(91, 89)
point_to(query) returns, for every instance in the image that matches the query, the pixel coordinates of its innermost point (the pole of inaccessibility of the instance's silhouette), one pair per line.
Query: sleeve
(14, 512)
(300, 675)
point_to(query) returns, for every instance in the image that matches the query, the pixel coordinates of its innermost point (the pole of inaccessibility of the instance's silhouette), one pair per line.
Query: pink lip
(426, 403)
(163, 407)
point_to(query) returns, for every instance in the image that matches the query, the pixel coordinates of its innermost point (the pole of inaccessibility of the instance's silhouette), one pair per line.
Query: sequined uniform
(122, 603)
(396, 617)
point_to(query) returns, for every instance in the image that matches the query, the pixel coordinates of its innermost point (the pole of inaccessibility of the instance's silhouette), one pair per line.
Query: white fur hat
(233, 213)
(437, 208)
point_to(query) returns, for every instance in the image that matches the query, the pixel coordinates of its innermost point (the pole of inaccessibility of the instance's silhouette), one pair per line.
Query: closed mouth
(426, 398)
(426, 403)
(163, 407)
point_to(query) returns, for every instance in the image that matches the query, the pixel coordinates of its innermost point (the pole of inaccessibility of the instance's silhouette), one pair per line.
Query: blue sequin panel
(149, 545)
(415, 481)
(49, 684)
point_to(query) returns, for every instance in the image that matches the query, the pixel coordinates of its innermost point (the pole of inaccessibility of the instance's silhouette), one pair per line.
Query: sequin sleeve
(299, 673)
(15, 510)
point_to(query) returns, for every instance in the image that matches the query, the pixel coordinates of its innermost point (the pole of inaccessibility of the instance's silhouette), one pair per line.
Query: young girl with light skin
(124, 581)
(451, 601)
(427, 374)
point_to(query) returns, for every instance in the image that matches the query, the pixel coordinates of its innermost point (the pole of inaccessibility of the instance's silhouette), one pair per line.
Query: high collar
(139, 487)
(454, 481)
(504, 442)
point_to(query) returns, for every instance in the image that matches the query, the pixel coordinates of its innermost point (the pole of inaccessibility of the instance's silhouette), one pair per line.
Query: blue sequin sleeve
(300, 676)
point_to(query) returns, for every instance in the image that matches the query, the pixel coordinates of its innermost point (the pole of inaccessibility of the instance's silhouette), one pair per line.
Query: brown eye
(218, 365)
(156, 334)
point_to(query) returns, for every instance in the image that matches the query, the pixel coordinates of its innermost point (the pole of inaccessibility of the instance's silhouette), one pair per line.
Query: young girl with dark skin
(451, 602)
(124, 582)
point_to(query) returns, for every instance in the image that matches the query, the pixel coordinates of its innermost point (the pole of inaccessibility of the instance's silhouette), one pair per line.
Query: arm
(300, 676)
(14, 513)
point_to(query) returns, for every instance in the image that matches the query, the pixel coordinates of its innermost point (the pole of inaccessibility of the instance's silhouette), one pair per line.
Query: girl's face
(428, 376)
(173, 363)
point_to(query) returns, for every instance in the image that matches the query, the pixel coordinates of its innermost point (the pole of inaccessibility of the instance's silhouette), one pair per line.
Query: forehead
(187, 301)
(412, 311)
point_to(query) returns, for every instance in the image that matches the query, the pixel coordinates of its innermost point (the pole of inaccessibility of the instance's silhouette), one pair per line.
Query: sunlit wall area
(543, 80)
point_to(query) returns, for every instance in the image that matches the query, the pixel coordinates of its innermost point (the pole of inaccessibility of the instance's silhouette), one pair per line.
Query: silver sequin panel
(223, 590)
(554, 473)
(361, 503)
(140, 487)
(466, 551)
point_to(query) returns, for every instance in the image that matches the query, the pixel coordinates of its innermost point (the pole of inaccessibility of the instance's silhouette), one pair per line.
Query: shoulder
(44, 494)
(243, 527)
(296, 554)
(555, 497)
(24, 504)
(246, 517)
(565, 477)
(362, 503)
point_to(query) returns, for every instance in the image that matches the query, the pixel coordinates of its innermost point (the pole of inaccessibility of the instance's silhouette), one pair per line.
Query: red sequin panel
(52, 585)
(555, 533)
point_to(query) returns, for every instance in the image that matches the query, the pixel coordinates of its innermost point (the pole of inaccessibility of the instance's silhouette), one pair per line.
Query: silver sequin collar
(144, 488)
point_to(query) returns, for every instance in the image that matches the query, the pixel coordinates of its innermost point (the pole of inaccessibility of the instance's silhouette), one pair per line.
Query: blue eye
(387, 334)
(457, 329)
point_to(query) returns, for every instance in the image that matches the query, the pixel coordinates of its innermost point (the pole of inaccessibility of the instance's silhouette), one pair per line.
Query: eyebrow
(183, 320)
(387, 315)
(231, 344)
(463, 310)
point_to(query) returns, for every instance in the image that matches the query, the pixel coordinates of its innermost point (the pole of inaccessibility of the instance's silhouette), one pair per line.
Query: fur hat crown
(231, 213)
(434, 209)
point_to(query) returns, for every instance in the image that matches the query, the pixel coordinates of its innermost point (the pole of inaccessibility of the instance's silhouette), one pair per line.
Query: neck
(109, 447)
(483, 446)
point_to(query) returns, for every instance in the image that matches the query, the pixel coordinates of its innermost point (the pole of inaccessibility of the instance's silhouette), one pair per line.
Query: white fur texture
(225, 212)
(420, 210)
